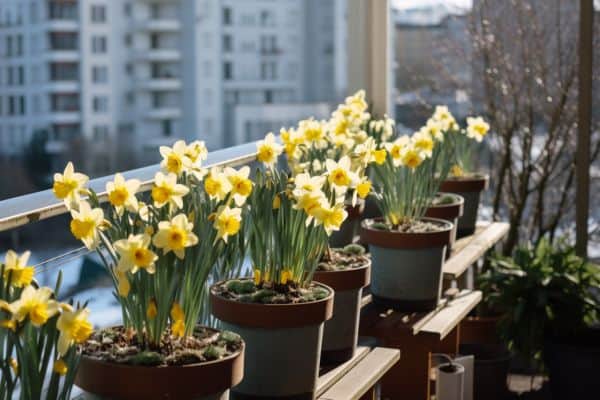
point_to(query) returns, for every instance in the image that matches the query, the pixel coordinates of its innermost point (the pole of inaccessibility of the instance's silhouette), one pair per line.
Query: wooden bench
(419, 335)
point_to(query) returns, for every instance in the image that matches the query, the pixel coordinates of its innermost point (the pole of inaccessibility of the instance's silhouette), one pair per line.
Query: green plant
(543, 290)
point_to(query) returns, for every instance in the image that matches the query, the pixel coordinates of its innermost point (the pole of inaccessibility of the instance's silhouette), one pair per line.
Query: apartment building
(144, 72)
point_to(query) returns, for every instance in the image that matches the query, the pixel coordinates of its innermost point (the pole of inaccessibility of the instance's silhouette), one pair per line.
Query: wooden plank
(469, 252)
(364, 376)
(447, 318)
(329, 378)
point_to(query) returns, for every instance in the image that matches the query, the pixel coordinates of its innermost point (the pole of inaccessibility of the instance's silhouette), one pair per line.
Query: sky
(404, 4)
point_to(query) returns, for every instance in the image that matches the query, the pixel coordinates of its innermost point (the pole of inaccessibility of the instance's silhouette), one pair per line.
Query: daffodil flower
(178, 320)
(412, 157)
(339, 174)
(268, 150)
(134, 254)
(331, 217)
(241, 185)
(477, 128)
(121, 193)
(35, 304)
(166, 190)
(174, 160)
(217, 185)
(16, 267)
(175, 235)
(305, 183)
(73, 326)
(227, 222)
(444, 117)
(69, 185)
(422, 141)
(85, 224)
(396, 148)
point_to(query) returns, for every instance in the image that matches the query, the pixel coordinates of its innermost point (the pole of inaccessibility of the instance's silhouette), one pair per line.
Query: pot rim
(466, 184)
(346, 279)
(405, 240)
(448, 211)
(272, 316)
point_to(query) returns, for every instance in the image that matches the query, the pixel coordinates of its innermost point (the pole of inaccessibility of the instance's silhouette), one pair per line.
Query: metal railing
(34, 207)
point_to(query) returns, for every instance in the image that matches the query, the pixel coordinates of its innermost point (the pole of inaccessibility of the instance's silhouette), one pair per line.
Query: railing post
(370, 52)
(586, 32)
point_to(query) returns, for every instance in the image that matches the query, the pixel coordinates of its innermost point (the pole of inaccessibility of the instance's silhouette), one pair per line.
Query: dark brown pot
(448, 212)
(283, 345)
(406, 270)
(470, 188)
(349, 229)
(341, 331)
(481, 330)
(209, 380)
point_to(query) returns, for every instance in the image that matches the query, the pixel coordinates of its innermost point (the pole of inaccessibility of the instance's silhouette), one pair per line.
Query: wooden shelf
(469, 249)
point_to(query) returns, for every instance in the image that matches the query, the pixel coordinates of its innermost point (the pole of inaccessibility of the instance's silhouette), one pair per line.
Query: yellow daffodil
(291, 139)
(134, 254)
(178, 320)
(241, 185)
(69, 185)
(331, 217)
(175, 160)
(227, 222)
(8, 324)
(339, 174)
(123, 285)
(217, 185)
(16, 267)
(276, 202)
(166, 190)
(412, 158)
(196, 152)
(304, 183)
(175, 235)
(85, 224)
(35, 304)
(268, 150)
(60, 367)
(365, 152)
(357, 100)
(311, 203)
(434, 129)
(312, 131)
(422, 141)
(257, 276)
(152, 309)
(477, 128)
(444, 117)
(363, 188)
(74, 328)
(286, 276)
(121, 193)
(456, 170)
(395, 149)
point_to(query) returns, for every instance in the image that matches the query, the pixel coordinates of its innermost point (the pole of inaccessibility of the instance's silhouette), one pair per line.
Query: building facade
(142, 73)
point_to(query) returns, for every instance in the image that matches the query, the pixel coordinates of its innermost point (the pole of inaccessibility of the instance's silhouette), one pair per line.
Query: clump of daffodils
(342, 147)
(38, 334)
(407, 181)
(291, 217)
(463, 140)
(160, 247)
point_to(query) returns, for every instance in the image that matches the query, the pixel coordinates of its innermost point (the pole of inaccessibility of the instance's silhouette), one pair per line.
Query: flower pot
(491, 370)
(204, 381)
(450, 382)
(406, 271)
(479, 330)
(573, 364)
(450, 212)
(341, 331)
(283, 345)
(349, 228)
(470, 188)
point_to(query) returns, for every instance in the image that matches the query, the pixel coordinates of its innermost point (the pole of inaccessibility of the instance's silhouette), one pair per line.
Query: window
(21, 75)
(22, 108)
(99, 44)
(99, 74)
(227, 17)
(127, 9)
(33, 12)
(64, 71)
(100, 132)
(9, 46)
(227, 70)
(167, 127)
(98, 13)
(11, 105)
(154, 41)
(268, 96)
(266, 18)
(268, 70)
(100, 104)
(19, 45)
(227, 43)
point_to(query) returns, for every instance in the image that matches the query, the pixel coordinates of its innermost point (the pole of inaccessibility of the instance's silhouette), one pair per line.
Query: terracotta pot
(406, 270)
(448, 212)
(470, 188)
(205, 381)
(482, 330)
(283, 345)
(341, 331)
(345, 235)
